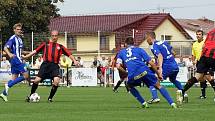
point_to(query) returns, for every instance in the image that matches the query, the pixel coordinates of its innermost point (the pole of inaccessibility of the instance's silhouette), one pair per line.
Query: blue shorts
(16, 66)
(171, 71)
(145, 76)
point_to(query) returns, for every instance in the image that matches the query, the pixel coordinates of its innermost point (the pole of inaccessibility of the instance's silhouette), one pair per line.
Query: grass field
(101, 104)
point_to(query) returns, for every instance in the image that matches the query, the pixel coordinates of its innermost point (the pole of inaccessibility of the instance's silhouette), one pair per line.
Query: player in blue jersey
(166, 64)
(134, 58)
(13, 49)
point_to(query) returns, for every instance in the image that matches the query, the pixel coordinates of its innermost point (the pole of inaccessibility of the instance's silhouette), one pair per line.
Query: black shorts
(122, 75)
(49, 70)
(205, 65)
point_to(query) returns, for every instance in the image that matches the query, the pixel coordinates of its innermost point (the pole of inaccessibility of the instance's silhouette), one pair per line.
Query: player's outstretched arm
(29, 55)
(74, 60)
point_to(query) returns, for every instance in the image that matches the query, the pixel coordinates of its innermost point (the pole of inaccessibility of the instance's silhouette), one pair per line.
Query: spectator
(39, 61)
(190, 67)
(181, 63)
(5, 64)
(81, 62)
(97, 64)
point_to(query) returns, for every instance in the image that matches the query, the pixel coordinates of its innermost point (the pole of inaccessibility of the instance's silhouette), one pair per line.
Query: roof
(203, 24)
(93, 23)
(110, 23)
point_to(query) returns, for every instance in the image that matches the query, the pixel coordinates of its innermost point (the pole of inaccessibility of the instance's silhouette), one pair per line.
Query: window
(71, 42)
(166, 37)
(104, 42)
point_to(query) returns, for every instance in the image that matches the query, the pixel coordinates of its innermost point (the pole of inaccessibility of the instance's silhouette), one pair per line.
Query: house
(92, 35)
(192, 25)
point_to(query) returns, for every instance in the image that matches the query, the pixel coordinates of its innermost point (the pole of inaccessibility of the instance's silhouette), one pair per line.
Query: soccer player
(165, 62)
(196, 54)
(134, 58)
(13, 49)
(205, 63)
(122, 74)
(50, 68)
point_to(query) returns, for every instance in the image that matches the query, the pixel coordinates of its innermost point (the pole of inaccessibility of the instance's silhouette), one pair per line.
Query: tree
(34, 14)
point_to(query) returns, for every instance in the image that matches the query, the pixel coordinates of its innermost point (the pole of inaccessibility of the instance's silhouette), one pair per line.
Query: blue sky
(177, 8)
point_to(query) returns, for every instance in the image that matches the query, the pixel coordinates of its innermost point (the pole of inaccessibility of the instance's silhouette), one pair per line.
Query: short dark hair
(151, 34)
(199, 31)
(129, 41)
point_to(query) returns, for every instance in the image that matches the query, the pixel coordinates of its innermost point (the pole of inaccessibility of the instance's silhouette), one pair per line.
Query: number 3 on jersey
(129, 53)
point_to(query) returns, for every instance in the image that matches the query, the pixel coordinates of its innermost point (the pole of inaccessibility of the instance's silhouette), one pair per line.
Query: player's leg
(192, 81)
(33, 87)
(203, 85)
(122, 76)
(54, 88)
(154, 94)
(135, 92)
(117, 85)
(165, 94)
(150, 79)
(55, 74)
(15, 70)
(4, 93)
(172, 78)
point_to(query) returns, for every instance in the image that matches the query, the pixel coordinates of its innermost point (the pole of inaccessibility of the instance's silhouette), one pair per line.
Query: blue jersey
(163, 48)
(15, 45)
(169, 64)
(134, 58)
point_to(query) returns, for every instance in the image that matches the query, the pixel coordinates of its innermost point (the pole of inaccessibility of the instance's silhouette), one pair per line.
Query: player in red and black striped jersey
(50, 68)
(122, 74)
(206, 62)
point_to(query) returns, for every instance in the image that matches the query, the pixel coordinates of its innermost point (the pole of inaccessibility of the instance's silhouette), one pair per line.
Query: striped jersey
(209, 46)
(15, 45)
(52, 51)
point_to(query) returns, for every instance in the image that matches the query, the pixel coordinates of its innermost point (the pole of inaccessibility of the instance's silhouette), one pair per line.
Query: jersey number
(166, 49)
(129, 53)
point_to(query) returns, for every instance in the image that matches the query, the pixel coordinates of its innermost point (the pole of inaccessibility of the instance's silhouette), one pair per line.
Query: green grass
(101, 104)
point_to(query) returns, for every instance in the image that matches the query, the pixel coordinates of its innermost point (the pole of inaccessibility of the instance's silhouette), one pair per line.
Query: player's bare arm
(160, 62)
(154, 67)
(74, 60)
(29, 55)
(7, 51)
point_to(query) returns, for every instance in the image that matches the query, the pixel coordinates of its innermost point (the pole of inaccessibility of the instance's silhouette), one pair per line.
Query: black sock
(212, 84)
(126, 86)
(203, 86)
(53, 91)
(189, 84)
(34, 88)
(203, 92)
(118, 84)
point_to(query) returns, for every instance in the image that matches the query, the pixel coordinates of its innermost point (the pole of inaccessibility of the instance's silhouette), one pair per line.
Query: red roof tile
(197, 24)
(107, 23)
(110, 23)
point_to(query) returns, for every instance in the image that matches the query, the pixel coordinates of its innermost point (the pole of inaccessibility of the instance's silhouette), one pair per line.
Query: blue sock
(177, 84)
(13, 82)
(166, 95)
(153, 92)
(137, 95)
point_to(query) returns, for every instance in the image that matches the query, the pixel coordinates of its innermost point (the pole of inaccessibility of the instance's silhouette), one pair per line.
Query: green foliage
(34, 14)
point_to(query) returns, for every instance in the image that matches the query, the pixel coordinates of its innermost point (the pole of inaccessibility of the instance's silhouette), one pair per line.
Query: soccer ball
(34, 98)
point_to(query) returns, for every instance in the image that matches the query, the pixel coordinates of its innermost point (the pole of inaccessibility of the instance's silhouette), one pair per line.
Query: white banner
(5, 75)
(84, 77)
